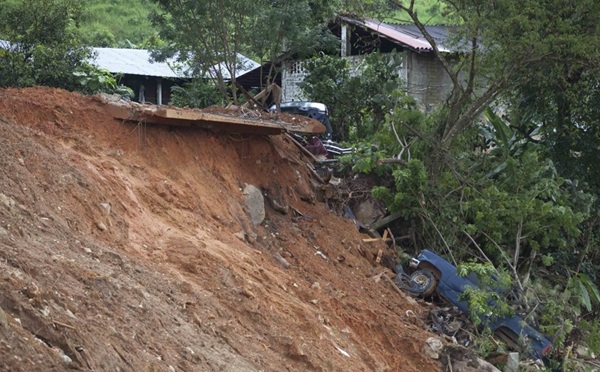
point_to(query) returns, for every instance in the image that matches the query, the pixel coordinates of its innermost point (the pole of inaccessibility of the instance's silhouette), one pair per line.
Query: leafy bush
(94, 80)
(199, 93)
(358, 99)
(591, 331)
(41, 53)
(486, 302)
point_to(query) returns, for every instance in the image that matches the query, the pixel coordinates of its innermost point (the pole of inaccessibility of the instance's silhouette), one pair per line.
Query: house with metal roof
(423, 74)
(150, 80)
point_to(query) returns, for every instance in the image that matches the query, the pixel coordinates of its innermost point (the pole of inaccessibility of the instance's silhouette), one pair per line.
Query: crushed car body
(433, 274)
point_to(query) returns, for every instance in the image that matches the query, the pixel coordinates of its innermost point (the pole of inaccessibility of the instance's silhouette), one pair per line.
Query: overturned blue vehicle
(432, 273)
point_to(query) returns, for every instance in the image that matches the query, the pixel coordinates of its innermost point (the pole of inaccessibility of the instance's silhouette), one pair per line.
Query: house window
(297, 67)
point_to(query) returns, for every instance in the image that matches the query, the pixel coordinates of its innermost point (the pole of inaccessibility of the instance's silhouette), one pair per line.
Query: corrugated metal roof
(408, 35)
(133, 62)
(439, 33)
(139, 62)
(7, 45)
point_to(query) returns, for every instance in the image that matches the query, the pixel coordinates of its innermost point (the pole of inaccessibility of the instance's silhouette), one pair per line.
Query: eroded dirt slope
(122, 248)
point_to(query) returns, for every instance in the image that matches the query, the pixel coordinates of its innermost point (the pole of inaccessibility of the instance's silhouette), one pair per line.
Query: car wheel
(424, 281)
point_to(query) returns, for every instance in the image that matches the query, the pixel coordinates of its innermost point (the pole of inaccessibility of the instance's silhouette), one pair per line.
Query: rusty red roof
(407, 35)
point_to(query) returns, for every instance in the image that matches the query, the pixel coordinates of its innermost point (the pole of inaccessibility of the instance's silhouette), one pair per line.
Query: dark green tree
(209, 35)
(44, 46)
(507, 44)
(357, 102)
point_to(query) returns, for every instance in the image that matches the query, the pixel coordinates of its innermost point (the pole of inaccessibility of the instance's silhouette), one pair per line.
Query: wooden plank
(235, 122)
(386, 220)
(302, 148)
(371, 240)
(410, 300)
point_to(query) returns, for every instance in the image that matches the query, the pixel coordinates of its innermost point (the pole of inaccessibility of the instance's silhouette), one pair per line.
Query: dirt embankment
(122, 248)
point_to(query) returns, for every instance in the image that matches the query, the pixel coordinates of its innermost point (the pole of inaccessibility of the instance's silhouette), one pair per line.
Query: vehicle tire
(424, 281)
(420, 283)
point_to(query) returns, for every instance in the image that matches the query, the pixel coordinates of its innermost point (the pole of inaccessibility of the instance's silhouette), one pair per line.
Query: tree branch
(510, 265)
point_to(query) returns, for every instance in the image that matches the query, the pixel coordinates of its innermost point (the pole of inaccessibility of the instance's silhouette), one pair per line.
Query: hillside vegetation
(125, 24)
(111, 23)
(117, 23)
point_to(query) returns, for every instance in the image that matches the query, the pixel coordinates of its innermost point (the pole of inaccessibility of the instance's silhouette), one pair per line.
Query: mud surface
(126, 247)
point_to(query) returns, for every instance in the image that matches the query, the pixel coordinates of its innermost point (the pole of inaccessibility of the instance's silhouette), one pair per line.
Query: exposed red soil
(121, 248)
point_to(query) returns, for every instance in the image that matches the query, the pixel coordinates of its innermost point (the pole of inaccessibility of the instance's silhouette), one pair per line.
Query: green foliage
(199, 93)
(357, 98)
(45, 46)
(506, 198)
(508, 45)
(583, 291)
(556, 319)
(485, 301)
(524, 204)
(209, 35)
(94, 80)
(109, 23)
(300, 23)
(432, 12)
(410, 185)
(591, 330)
(485, 343)
(570, 116)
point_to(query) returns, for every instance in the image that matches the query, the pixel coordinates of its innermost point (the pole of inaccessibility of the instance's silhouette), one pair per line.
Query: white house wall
(293, 74)
(425, 79)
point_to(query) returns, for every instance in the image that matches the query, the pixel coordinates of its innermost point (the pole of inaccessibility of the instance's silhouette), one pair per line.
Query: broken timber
(248, 121)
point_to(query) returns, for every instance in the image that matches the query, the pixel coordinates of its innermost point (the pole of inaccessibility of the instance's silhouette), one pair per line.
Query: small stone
(7, 201)
(512, 363)
(65, 357)
(295, 350)
(101, 226)
(432, 347)
(281, 260)
(251, 237)
(106, 207)
(584, 352)
(3, 319)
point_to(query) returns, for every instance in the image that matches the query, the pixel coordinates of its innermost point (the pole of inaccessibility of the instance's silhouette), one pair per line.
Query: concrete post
(345, 47)
(159, 92)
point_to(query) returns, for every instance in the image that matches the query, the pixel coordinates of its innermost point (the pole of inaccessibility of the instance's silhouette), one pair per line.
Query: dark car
(319, 112)
(433, 273)
(315, 110)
